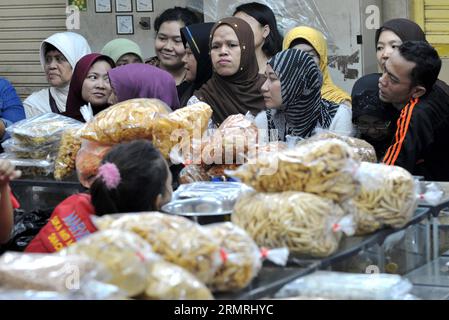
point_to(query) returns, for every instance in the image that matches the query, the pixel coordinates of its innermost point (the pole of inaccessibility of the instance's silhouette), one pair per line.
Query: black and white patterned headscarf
(302, 108)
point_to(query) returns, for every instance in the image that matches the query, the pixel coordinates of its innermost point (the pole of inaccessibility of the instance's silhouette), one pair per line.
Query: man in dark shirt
(409, 83)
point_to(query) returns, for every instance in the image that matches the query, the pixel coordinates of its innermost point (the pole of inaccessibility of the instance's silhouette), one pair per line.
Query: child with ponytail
(133, 177)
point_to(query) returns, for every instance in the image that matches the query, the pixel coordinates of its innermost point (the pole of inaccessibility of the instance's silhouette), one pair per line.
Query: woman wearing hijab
(378, 127)
(58, 55)
(292, 94)
(197, 61)
(313, 42)
(235, 83)
(142, 81)
(90, 85)
(123, 51)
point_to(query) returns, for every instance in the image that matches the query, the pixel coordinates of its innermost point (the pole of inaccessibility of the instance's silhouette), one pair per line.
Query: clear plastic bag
(177, 239)
(326, 168)
(48, 272)
(193, 173)
(30, 167)
(124, 254)
(125, 121)
(347, 286)
(167, 281)
(304, 223)
(233, 142)
(42, 152)
(181, 127)
(88, 160)
(362, 149)
(41, 130)
(388, 197)
(68, 149)
(226, 191)
(242, 258)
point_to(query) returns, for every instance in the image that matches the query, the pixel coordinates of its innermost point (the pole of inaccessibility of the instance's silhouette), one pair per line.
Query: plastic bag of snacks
(388, 197)
(167, 281)
(362, 149)
(348, 286)
(226, 191)
(88, 160)
(193, 173)
(43, 152)
(124, 254)
(243, 260)
(30, 167)
(180, 127)
(233, 142)
(176, 239)
(304, 223)
(68, 149)
(46, 272)
(41, 130)
(326, 168)
(128, 120)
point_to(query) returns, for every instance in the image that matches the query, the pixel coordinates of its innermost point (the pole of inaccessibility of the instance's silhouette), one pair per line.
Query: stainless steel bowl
(201, 210)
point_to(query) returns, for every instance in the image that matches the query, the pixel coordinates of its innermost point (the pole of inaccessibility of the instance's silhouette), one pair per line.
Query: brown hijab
(240, 92)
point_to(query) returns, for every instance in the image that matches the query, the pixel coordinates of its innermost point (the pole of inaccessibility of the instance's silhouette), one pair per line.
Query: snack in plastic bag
(167, 281)
(362, 149)
(219, 170)
(46, 272)
(325, 168)
(232, 142)
(348, 286)
(387, 197)
(30, 167)
(193, 173)
(176, 239)
(124, 254)
(68, 149)
(42, 152)
(180, 126)
(88, 160)
(243, 259)
(304, 223)
(125, 121)
(42, 129)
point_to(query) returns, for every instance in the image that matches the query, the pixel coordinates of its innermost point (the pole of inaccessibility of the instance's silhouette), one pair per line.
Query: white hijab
(73, 46)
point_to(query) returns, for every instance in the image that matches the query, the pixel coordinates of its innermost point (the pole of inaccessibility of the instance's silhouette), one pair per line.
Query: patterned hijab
(329, 90)
(240, 92)
(303, 110)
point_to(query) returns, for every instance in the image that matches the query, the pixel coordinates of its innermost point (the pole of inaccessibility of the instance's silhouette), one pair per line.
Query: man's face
(395, 85)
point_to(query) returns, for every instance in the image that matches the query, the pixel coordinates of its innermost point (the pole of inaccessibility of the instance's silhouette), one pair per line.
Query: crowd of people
(240, 64)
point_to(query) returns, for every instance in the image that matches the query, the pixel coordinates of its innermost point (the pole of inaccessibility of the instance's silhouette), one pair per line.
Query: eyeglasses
(379, 126)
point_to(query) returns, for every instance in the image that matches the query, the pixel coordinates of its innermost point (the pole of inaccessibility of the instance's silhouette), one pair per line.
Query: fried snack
(125, 121)
(180, 127)
(88, 160)
(43, 152)
(325, 168)
(30, 167)
(68, 149)
(242, 263)
(44, 272)
(362, 149)
(41, 130)
(218, 170)
(124, 254)
(176, 239)
(232, 142)
(167, 281)
(387, 197)
(193, 173)
(300, 221)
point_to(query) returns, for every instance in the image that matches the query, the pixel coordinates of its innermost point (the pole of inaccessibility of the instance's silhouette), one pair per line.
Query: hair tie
(110, 175)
